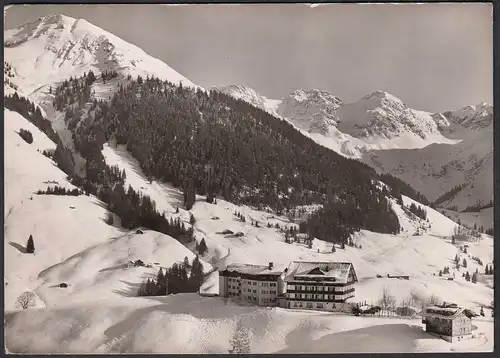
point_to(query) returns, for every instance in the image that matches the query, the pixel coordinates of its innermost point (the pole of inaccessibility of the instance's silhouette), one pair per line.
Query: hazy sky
(434, 57)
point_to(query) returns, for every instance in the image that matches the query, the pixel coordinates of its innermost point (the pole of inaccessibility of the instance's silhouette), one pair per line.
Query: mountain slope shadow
(20, 247)
(388, 338)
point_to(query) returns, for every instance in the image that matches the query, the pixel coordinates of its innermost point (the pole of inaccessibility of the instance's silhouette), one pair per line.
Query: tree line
(57, 190)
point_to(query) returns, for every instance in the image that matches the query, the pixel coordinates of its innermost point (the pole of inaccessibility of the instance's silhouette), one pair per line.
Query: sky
(435, 57)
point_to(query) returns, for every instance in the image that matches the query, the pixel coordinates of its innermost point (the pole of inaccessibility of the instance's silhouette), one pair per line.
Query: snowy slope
(187, 323)
(418, 256)
(90, 256)
(73, 244)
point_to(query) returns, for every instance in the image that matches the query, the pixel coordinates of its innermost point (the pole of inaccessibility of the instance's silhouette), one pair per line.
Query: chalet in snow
(306, 285)
(448, 322)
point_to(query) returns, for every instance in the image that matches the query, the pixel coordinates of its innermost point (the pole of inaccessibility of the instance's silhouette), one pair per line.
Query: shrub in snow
(26, 300)
(240, 342)
(26, 135)
(109, 218)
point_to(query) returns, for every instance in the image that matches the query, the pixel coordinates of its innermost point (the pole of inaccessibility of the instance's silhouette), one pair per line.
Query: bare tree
(26, 300)
(433, 300)
(387, 301)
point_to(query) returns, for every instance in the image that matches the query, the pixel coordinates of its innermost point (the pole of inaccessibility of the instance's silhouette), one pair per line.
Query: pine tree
(342, 246)
(30, 246)
(160, 284)
(240, 342)
(192, 220)
(453, 240)
(464, 263)
(177, 210)
(196, 276)
(440, 273)
(333, 248)
(474, 277)
(467, 276)
(481, 312)
(202, 247)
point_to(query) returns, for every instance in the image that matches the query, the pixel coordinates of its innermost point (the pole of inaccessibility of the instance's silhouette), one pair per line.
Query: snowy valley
(81, 241)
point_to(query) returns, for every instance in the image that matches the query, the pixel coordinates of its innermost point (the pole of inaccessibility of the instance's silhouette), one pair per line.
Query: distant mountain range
(433, 152)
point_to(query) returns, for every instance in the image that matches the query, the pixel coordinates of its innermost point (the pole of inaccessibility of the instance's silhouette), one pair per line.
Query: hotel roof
(249, 269)
(338, 270)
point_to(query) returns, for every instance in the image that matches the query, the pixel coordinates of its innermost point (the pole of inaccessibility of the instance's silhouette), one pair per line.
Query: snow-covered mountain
(469, 118)
(53, 48)
(311, 110)
(383, 118)
(249, 95)
(433, 152)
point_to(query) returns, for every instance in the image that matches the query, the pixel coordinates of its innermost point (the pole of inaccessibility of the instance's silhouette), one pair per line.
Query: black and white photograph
(287, 178)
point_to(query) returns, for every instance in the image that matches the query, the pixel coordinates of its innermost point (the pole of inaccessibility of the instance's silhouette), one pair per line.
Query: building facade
(257, 284)
(319, 285)
(448, 323)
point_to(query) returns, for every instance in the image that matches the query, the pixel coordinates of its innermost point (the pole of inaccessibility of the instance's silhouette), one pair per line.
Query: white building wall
(223, 286)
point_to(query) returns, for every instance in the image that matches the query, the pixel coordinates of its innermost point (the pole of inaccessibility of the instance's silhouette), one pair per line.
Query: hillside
(84, 251)
(154, 190)
(100, 287)
(445, 149)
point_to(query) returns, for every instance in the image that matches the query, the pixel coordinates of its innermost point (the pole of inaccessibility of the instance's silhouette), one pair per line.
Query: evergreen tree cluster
(218, 145)
(488, 270)
(71, 91)
(179, 278)
(418, 211)
(32, 113)
(201, 248)
(57, 190)
(136, 209)
(478, 207)
(108, 75)
(240, 216)
(26, 135)
(478, 260)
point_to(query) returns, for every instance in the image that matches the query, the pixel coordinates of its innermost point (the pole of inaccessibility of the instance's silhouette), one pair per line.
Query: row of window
(250, 282)
(310, 305)
(266, 292)
(309, 296)
(268, 284)
(319, 288)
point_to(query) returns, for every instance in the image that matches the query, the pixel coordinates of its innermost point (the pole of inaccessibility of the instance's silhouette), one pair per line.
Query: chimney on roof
(271, 265)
